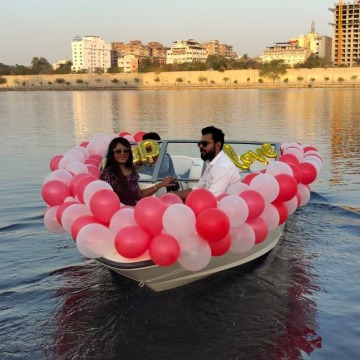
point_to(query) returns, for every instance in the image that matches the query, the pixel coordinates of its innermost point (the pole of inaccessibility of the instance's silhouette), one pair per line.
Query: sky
(45, 28)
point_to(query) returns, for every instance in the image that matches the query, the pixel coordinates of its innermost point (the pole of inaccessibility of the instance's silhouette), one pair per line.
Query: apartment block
(213, 47)
(290, 53)
(90, 53)
(346, 32)
(183, 51)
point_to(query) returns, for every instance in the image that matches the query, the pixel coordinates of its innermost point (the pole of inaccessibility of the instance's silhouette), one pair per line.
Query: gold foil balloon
(231, 153)
(149, 150)
(136, 156)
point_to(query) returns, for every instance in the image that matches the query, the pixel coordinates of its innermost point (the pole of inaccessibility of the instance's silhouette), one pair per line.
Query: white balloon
(237, 188)
(242, 239)
(77, 168)
(291, 205)
(78, 154)
(95, 240)
(97, 147)
(83, 150)
(122, 218)
(271, 216)
(279, 167)
(92, 188)
(66, 160)
(50, 221)
(195, 253)
(304, 194)
(179, 220)
(267, 186)
(61, 175)
(295, 151)
(71, 213)
(235, 208)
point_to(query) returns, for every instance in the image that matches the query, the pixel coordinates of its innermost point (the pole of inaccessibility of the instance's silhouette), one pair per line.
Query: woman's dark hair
(112, 164)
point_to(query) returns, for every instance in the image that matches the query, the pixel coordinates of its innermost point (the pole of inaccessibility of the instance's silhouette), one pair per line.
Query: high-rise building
(346, 33)
(90, 53)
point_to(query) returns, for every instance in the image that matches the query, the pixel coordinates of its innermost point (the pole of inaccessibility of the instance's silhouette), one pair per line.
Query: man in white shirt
(220, 171)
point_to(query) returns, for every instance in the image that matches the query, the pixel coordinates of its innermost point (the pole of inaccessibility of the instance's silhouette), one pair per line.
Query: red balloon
(164, 250)
(200, 199)
(54, 192)
(308, 173)
(62, 208)
(255, 202)
(212, 224)
(123, 133)
(84, 144)
(92, 162)
(148, 214)
(249, 177)
(260, 229)
(54, 162)
(139, 135)
(308, 148)
(170, 199)
(96, 157)
(104, 204)
(80, 222)
(296, 172)
(132, 241)
(81, 185)
(282, 210)
(289, 159)
(74, 182)
(288, 187)
(93, 170)
(220, 247)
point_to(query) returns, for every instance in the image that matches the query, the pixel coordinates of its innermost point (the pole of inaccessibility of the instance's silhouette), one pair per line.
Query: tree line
(41, 66)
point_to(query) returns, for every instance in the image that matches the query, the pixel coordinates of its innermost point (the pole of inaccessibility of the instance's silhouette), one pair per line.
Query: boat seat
(182, 165)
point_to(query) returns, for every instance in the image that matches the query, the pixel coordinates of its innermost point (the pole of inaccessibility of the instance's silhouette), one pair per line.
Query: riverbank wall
(231, 79)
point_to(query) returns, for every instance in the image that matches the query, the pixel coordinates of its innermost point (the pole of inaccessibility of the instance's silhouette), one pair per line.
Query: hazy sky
(45, 28)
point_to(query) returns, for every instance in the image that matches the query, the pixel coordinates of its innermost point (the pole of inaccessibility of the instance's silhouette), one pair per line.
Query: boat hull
(160, 278)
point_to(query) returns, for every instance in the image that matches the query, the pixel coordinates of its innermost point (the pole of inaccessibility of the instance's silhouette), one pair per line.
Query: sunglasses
(204, 143)
(122, 151)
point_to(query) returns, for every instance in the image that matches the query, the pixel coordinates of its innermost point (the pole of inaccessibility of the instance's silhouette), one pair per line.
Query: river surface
(300, 302)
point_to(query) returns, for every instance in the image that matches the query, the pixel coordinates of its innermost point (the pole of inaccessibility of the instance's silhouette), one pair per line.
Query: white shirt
(218, 175)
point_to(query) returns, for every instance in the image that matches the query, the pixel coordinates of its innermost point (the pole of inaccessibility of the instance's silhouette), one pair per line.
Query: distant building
(90, 53)
(289, 52)
(213, 47)
(59, 63)
(154, 51)
(129, 63)
(346, 33)
(183, 51)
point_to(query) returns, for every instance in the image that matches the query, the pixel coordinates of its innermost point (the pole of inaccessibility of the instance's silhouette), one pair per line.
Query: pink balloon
(94, 241)
(71, 213)
(195, 253)
(296, 172)
(104, 204)
(212, 224)
(148, 214)
(288, 187)
(289, 159)
(242, 239)
(55, 192)
(235, 208)
(248, 178)
(164, 250)
(124, 133)
(92, 162)
(200, 199)
(260, 229)
(96, 157)
(255, 202)
(54, 162)
(170, 199)
(308, 172)
(93, 187)
(62, 208)
(309, 148)
(80, 222)
(132, 241)
(81, 185)
(266, 185)
(282, 210)
(51, 222)
(93, 170)
(139, 135)
(271, 216)
(84, 144)
(179, 220)
(122, 218)
(74, 182)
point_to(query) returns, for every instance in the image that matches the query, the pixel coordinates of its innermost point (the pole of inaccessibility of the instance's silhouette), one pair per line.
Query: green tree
(340, 79)
(273, 70)
(286, 80)
(226, 79)
(113, 70)
(2, 80)
(41, 66)
(202, 79)
(354, 77)
(5, 69)
(179, 80)
(300, 79)
(64, 68)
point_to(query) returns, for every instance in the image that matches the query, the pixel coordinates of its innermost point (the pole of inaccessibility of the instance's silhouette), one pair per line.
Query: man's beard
(208, 155)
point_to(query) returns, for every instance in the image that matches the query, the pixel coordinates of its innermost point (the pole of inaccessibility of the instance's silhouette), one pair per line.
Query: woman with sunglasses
(120, 173)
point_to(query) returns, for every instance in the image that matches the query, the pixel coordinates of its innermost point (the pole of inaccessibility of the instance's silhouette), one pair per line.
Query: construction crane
(339, 49)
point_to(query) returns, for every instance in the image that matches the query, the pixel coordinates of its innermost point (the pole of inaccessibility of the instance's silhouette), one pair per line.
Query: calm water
(301, 302)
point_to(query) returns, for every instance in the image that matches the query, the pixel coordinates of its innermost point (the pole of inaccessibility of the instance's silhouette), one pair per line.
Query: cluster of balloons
(165, 229)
